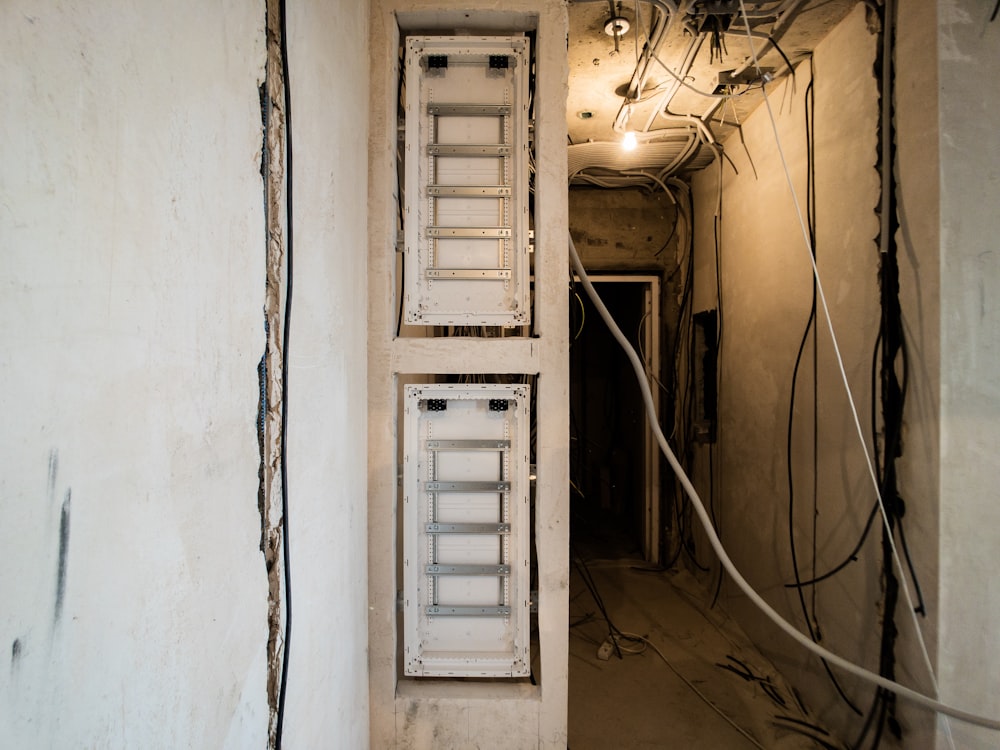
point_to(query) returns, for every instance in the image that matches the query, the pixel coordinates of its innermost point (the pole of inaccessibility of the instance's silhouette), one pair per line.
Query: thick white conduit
(727, 563)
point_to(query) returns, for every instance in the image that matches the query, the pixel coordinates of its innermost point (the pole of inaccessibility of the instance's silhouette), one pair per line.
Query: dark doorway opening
(615, 493)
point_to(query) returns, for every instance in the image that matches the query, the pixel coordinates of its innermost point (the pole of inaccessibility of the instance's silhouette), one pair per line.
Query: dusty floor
(639, 701)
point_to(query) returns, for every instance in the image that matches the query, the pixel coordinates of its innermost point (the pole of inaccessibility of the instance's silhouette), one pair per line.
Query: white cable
(727, 563)
(843, 374)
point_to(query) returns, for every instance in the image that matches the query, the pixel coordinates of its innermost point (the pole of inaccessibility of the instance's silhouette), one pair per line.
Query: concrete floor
(638, 701)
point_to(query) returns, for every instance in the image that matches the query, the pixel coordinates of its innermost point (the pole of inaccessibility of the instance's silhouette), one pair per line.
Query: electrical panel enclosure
(466, 181)
(465, 530)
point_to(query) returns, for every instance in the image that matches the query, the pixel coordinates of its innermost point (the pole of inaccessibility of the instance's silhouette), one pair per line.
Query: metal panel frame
(473, 291)
(463, 637)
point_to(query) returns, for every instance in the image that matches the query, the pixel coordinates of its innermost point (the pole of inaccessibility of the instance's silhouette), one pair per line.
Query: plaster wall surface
(327, 703)
(131, 216)
(766, 294)
(968, 55)
(131, 220)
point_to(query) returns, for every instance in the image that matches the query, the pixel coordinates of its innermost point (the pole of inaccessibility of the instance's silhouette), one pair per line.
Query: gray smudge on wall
(15, 653)
(63, 551)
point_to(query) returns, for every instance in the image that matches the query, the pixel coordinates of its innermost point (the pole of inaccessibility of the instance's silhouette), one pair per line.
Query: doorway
(614, 460)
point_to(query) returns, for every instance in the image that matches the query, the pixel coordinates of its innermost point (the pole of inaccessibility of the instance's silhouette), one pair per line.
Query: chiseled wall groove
(271, 372)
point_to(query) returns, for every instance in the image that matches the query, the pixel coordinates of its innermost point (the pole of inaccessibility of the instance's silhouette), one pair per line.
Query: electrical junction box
(465, 531)
(466, 183)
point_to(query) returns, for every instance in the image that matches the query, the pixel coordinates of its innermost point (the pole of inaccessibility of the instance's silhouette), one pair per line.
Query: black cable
(402, 286)
(869, 718)
(679, 416)
(920, 608)
(286, 645)
(851, 557)
(711, 506)
(810, 123)
(613, 632)
(810, 327)
(739, 129)
(891, 392)
(673, 231)
(716, 228)
(784, 57)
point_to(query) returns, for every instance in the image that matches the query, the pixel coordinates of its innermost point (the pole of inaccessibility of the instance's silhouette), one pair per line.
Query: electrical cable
(810, 199)
(699, 508)
(716, 233)
(285, 544)
(583, 315)
(684, 335)
(851, 557)
(588, 579)
(750, 738)
(617, 636)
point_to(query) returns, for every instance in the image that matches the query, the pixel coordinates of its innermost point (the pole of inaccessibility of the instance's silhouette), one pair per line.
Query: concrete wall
(623, 230)
(766, 297)
(131, 217)
(945, 110)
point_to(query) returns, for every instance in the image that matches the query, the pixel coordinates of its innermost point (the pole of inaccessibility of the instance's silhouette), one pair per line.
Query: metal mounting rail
(490, 233)
(437, 569)
(467, 528)
(469, 110)
(469, 191)
(467, 445)
(468, 149)
(468, 274)
(436, 486)
(435, 609)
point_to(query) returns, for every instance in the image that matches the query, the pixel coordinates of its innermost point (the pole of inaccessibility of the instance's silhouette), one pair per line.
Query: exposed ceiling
(680, 75)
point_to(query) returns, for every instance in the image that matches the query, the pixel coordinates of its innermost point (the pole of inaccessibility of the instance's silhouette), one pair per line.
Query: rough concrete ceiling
(702, 42)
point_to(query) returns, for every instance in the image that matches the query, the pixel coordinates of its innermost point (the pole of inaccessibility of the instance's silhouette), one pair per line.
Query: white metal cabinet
(465, 530)
(466, 163)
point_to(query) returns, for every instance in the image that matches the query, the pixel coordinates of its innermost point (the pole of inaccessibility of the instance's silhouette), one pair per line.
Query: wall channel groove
(270, 370)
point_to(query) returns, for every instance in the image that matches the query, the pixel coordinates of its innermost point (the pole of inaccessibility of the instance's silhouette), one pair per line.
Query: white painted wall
(968, 48)
(132, 276)
(131, 222)
(327, 378)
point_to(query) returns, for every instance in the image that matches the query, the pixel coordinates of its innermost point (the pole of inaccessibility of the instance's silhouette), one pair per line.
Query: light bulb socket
(617, 26)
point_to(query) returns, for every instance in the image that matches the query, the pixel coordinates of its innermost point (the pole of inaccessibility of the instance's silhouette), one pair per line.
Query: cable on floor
(750, 738)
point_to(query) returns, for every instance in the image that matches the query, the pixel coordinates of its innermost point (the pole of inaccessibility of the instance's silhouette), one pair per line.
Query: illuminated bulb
(629, 142)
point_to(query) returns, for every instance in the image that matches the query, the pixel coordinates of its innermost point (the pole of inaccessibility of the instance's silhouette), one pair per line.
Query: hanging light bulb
(629, 141)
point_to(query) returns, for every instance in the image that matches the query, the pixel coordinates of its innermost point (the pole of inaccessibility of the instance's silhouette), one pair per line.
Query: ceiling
(682, 77)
